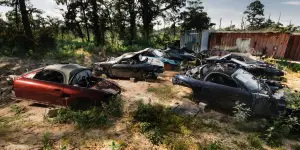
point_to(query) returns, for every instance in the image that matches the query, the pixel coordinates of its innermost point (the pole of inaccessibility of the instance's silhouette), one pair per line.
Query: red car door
(40, 91)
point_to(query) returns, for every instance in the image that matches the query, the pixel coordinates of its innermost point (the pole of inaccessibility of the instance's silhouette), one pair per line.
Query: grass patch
(163, 92)
(255, 141)
(47, 145)
(211, 146)
(157, 122)
(17, 109)
(94, 117)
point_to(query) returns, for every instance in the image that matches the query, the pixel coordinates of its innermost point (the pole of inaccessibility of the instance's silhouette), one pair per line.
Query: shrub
(241, 113)
(156, 122)
(93, 117)
(279, 128)
(83, 119)
(114, 107)
(293, 99)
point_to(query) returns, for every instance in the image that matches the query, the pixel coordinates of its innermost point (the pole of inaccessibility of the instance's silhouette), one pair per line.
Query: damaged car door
(124, 68)
(225, 91)
(46, 86)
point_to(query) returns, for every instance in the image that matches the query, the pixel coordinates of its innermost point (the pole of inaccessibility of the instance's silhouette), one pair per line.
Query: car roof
(68, 70)
(220, 68)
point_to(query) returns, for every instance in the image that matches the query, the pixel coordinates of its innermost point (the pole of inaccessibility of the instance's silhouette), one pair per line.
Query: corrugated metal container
(190, 39)
(268, 43)
(293, 48)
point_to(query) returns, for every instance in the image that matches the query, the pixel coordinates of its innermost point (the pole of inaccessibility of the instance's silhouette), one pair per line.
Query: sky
(228, 10)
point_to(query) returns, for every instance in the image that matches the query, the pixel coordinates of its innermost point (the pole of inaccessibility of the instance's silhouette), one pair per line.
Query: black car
(258, 68)
(223, 86)
(130, 65)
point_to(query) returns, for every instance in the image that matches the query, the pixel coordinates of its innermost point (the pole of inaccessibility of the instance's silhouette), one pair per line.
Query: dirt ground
(27, 130)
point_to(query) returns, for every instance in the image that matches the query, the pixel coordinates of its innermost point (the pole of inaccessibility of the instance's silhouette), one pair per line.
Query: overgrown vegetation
(158, 122)
(241, 113)
(93, 117)
(47, 145)
(279, 128)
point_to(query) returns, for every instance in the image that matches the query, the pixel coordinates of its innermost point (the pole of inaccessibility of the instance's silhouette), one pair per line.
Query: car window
(49, 75)
(81, 76)
(221, 79)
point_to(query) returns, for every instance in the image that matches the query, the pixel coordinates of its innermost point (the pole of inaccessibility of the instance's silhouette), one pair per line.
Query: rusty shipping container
(293, 48)
(257, 43)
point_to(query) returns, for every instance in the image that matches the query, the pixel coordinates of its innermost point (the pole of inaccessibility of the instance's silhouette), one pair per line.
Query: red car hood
(107, 86)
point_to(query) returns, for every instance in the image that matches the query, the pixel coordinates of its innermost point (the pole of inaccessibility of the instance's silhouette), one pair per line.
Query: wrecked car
(161, 55)
(179, 54)
(68, 85)
(222, 87)
(131, 65)
(258, 68)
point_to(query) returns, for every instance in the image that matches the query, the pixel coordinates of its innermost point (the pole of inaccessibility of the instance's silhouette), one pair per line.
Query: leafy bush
(93, 117)
(279, 128)
(241, 113)
(293, 99)
(83, 119)
(156, 122)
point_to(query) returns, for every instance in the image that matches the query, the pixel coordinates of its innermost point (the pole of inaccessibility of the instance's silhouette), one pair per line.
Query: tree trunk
(102, 33)
(147, 18)
(85, 21)
(174, 29)
(26, 23)
(16, 13)
(95, 22)
(132, 28)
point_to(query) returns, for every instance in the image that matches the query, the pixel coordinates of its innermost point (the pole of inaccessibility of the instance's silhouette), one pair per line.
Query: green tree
(255, 15)
(149, 10)
(194, 17)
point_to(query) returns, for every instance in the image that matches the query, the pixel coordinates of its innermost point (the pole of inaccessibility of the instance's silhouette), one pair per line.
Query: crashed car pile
(219, 81)
(224, 80)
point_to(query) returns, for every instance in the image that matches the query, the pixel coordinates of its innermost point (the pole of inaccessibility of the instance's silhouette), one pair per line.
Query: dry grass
(163, 92)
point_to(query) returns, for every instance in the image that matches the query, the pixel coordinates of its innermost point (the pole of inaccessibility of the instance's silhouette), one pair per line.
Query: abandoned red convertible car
(64, 85)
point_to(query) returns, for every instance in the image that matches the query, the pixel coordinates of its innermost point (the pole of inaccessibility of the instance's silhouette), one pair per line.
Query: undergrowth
(157, 122)
(93, 117)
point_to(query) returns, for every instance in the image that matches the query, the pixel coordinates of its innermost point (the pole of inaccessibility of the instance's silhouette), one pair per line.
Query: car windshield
(85, 74)
(249, 81)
